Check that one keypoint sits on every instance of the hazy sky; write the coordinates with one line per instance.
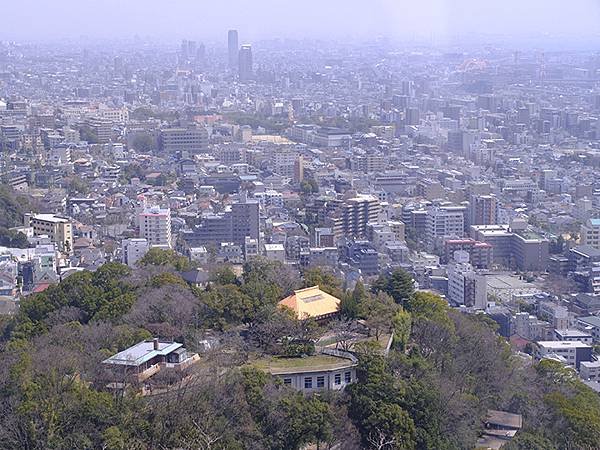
(257, 19)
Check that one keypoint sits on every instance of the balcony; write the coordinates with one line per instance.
(150, 371)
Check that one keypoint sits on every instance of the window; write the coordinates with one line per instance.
(337, 379)
(347, 377)
(308, 383)
(320, 382)
(287, 381)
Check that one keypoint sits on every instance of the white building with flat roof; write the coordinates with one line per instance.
(155, 226)
(573, 352)
(58, 229)
(133, 250)
(590, 370)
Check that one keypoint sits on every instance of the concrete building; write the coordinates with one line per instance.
(245, 70)
(515, 248)
(58, 229)
(193, 140)
(132, 250)
(155, 226)
(590, 233)
(590, 324)
(465, 286)
(530, 327)
(482, 210)
(362, 256)
(324, 237)
(574, 335)
(232, 48)
(331, 137)
(429, 189)
(245, 220)
(589, 370)
(480, 253)
(571, 353)
(238, 222)
(317, 373)
(319, 257)
(557, 315)
(275, 252)
(354, 215)
(444, 222)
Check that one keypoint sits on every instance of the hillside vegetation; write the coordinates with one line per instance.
(444, 371)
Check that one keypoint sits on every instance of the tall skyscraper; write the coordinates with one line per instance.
(232, 45)
(184, 52)
(245, 62)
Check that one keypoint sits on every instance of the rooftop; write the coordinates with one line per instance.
(315, 363)
(49, 218)
(142, 352)
(590, 320)
(529, 235)
(506, 282)
(562, 344)
(572, 333)
(587, 251)
(504, 419)
(311, 302)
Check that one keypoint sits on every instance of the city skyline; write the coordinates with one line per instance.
(440, 20)
(283, 225)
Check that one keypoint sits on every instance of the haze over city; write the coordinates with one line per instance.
(300, 225)
(262, 19)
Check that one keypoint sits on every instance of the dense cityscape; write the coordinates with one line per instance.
(299, 244)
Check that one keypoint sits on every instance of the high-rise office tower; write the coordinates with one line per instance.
(201, 56)
(245, 62)
(232, 45)
(184, 52)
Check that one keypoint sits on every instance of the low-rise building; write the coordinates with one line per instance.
(331, 372)
(571, 353)
(590, 370)
(145, 359)
(591, 325)
(312, 302)
(574, 335)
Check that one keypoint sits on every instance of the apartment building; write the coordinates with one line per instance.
(590, 233)
(155, 226)
(132, 250)
(571, 353)
(444, 222)
(354, 215)
(58, 229)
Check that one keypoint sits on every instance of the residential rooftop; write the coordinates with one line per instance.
(142, 352)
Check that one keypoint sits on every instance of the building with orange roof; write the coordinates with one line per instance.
(312, 302)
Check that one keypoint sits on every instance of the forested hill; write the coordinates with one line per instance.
(432, 391)
(13, 206)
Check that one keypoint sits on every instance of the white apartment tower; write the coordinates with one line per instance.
(465, 285)
(155, 226)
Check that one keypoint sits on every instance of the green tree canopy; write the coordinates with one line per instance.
(399, 285)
